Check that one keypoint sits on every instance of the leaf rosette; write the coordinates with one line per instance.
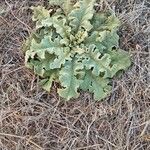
(76, 47)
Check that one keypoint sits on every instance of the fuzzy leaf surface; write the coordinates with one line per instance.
(120, 60)
(97, 85)
(81, 15)
(69, 80)
(46, 45)
(93, 60)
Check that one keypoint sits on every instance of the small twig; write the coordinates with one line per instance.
(4, 20)
(146, 125)
(16, 17)
(87, 147)
(24, 138)
(108, 142)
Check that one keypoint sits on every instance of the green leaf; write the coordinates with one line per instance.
(47, 83)
(41, 65)
(56, 2)
(109, 39)
(80, 36)
(99, 64)
(105, 21)
(61, 27)
(82, 14)
(65, 4)
(39, 14)
(61, 58)
(45, 45)
(69, 81)
(112, 23)
(2, 11)
(120, 60)
(98, 85)
(94, 39)
(47, 22)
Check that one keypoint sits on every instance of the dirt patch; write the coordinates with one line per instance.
(32, 119)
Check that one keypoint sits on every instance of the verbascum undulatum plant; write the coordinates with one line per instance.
(76, 47)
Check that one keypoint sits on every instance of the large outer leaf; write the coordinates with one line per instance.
(103, 40)
(99, 86)
(69, 80)
(45, 45)
(120, 60)
(59, 22)
(105, 25)
(93, 60)
(41, 66)
(66, 4)
(94, 39)
(39, 14)
(109, 39)
(56, 2)
(80, 16)
(47, 83)
(62, 56)
(104, 21)
(47, 22)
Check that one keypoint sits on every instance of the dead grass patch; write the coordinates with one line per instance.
(31, 119)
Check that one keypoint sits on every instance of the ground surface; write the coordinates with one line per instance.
(32, 119)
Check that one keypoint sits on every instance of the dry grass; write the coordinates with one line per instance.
(31, 119)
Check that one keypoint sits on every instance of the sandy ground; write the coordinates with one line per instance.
(32, 119)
